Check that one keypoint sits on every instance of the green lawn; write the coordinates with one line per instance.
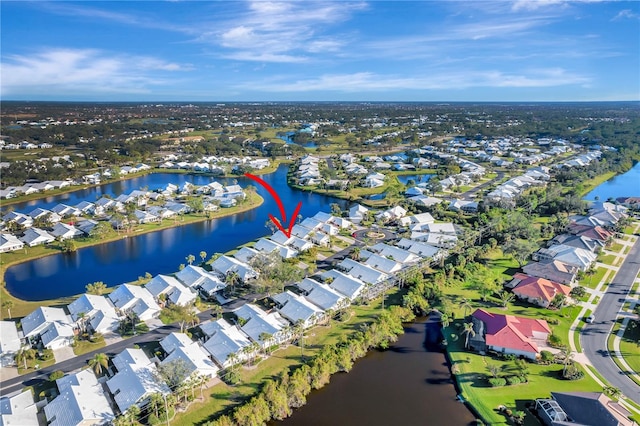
(630, 349)
(471, 376)
(502, 264)
(608, 259)
(593, 280)
(82, 347)
(222, 397)
(615, 247)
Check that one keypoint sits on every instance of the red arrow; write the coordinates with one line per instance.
(275, 195)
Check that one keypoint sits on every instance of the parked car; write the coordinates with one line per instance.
(590, 319)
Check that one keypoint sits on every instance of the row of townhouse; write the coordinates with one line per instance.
(213, 164)
(308, 172)
(33, 188)
(509, 191)
(96, 178)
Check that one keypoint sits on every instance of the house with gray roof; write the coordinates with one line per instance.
(9, 242)
(582, 409)
(322, 295)
(51, 325)
(297, 309)
(98, 312)
(195, 359)
(268, 246)
(257, 323)
(36, 236)
(65, 231)
(383, 264)
(344, 284)
(224, 339)
(363, 272)
(418, 248)
(176, 293)
(225, 265)
(10, 343)
(395, 253)
(19, 409)
(135, 380)
(131, 298)
(82, 401)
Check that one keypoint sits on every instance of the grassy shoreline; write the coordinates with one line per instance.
(23, 307)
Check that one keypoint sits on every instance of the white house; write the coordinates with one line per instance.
(223, 340)
(257, 324)
(357, 213)
(99, 313)
(322, 295)
(130, 298)
(197, 277)
(52, 325)
(395, 253)
(175, 291)
(35, 236)
(296, 308)
(383, 264)
(268, 246)
(19, 410)
(194, 357)
(421, 249)
(81, 401)
(363, 272)
(9, 242)
(343, 283)
(10, 343)
(135, 380)
(64, 231)
(225, 265)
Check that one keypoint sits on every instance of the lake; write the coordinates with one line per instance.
(624, 185)
(408, 384)
(124, 260)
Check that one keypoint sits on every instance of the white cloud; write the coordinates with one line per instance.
(440, 80)
(626, 14)
(80, 70)
(529, 5)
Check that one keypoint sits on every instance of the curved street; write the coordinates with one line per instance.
(593, 338)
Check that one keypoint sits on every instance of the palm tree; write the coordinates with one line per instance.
(216, 311)
(82, 318)
(8, 304)
(445, 320)
(190, 259)
(612, 392)
(232, 279)
(265, 337)
(468, 331)
(567, 358)
(466, 306)
(24, 355)
(203, 255)
(505, 298)
(355, 254)
(99, 363)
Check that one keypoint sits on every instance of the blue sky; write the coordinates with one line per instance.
(481, 50)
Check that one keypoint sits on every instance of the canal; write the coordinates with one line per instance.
(408, 384)
(124, 260)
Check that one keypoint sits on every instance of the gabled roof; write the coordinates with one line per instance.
(553, 270)
(81, 401)
(135, 379)
(511, 332)
(362, 272)
(225, 265)
(19, 410)
(592, 408)
(245, 254)
(418, 248)
(162, 284)
(37, 320)
(90, 304)
(383, 264)
(396, 253)
(127, 296)
(295, 308)
(224, 339)
(268, 246)
(344, 284)
(10, 342)
(320, 294)
(259, 322)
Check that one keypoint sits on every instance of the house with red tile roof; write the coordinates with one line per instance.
(538, 291)
(593, 232)
(508, 334)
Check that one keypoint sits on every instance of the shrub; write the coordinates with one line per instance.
(497, 382)
(509, 357)
(513, 380)
(56, 375)
(552, 321)
(546, 357)
(524, 379)
(572, 373)
(554, 341)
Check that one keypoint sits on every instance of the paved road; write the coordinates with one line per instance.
(594, 336)
(16, 383)
(472, 192)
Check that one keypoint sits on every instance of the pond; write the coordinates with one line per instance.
(404, 179)
(624, 185)
(408, 384)
(157, 252)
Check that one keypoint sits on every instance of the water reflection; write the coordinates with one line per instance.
(158, 252)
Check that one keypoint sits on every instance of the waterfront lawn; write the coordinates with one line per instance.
(221, 397)
(81, 347)
(472, 379)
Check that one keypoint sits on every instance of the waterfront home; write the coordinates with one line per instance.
(578, 257)
(444, 241)
(81, 401)
(508, 334)
(49, 326)
(130, 298)
(582, 408)
(172, 289)
(267, 329)
(42, 213)
(322, 295)
(341, 223)
(161, 212)
(135, 380)
(297, 309)
(344, 284)
(374, 180)
(384, 264)
(64, 231)
(245, 254)
(267, 246)
(145, 217)
(64, 210)
(99, 313)
(36, 236)
(395, 253)
(362, 272)
(196, 277)
(323, 217)
(10, 343)
(421, 249)
(280, 238)
(21, 219)
(195, 359)
(86, 225)
(311, 224)
(553, 270)
(225, 265)
(224, 339)
(538, 291)
(19, 409)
